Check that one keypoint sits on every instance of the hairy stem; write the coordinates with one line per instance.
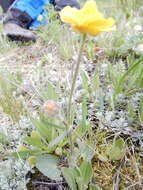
(69, 109)
(75, 78)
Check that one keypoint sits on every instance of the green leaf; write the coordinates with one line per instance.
(47, 164)
(50, 92)
(3, 138)
(34, 142)
(86, 172)
(87, 150)
(101, 102)
(57, 140)
(119, 143)
(26, 153)
(133, 91)
(124, 76)
(70, 176)
(85, 80)
(52, 125)
(42, 128)
(95, 80)
(117, 150)
(94, 187)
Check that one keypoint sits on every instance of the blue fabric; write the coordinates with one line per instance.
(32, 7)
(36, 23)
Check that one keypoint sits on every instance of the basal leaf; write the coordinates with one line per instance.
(41, 127)
(70, 176)
(117, 150)
(57, 140)
(86, 172)
(34, 142)
(26, 153)
(48, 165)
(94, 187)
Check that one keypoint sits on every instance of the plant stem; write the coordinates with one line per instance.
(69, 109)
(74, 78)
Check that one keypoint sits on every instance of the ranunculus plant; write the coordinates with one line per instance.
(50, 134)
(87, 20)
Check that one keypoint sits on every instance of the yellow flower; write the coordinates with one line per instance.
(87, 20)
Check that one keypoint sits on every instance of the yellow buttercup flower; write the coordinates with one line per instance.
(87, 20)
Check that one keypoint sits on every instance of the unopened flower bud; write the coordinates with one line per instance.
(50, 108)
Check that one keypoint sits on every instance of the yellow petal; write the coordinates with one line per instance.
(89, 8)
(69, 15)
(86, 30)
(99, 26)
(90, 12)
(87, 20)
(104, 23)
(75, 16)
